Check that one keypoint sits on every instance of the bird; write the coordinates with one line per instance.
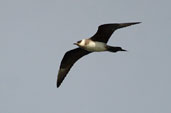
(96, 43)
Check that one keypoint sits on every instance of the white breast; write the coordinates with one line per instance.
(95, 46)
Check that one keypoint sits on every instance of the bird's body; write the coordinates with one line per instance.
(96, 43)
(92, 46)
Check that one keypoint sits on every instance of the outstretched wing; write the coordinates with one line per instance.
(68, 61)
(105, 31)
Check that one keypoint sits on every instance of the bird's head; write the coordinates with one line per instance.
(79, 43)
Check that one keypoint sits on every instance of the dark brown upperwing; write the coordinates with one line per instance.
(68, 61)
(105, 31)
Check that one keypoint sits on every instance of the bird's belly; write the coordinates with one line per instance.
(95, 47)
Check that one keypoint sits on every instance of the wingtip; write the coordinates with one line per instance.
(58, 84)
(132, 23)
(137, 22)
(121, 25)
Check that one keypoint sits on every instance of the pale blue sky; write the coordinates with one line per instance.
(35, 34)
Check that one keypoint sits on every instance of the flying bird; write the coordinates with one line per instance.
(96, 43)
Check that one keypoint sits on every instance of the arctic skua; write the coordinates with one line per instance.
(96, 43)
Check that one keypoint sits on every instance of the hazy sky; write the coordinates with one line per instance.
(35, 34)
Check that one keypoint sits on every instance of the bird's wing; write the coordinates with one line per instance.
(68, 61)
(105, 31)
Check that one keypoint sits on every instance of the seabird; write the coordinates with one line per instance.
(96, 43)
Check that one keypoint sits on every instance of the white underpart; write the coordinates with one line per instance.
(93, 46)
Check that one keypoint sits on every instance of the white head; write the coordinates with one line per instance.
(80, 43)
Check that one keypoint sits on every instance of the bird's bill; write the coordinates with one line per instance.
(75, 43)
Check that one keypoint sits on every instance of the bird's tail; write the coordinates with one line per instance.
(121, 25)
(114, 49)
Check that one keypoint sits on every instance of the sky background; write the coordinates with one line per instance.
(35, 34)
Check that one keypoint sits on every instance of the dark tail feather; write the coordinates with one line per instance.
(114, 49)
(121, 25)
